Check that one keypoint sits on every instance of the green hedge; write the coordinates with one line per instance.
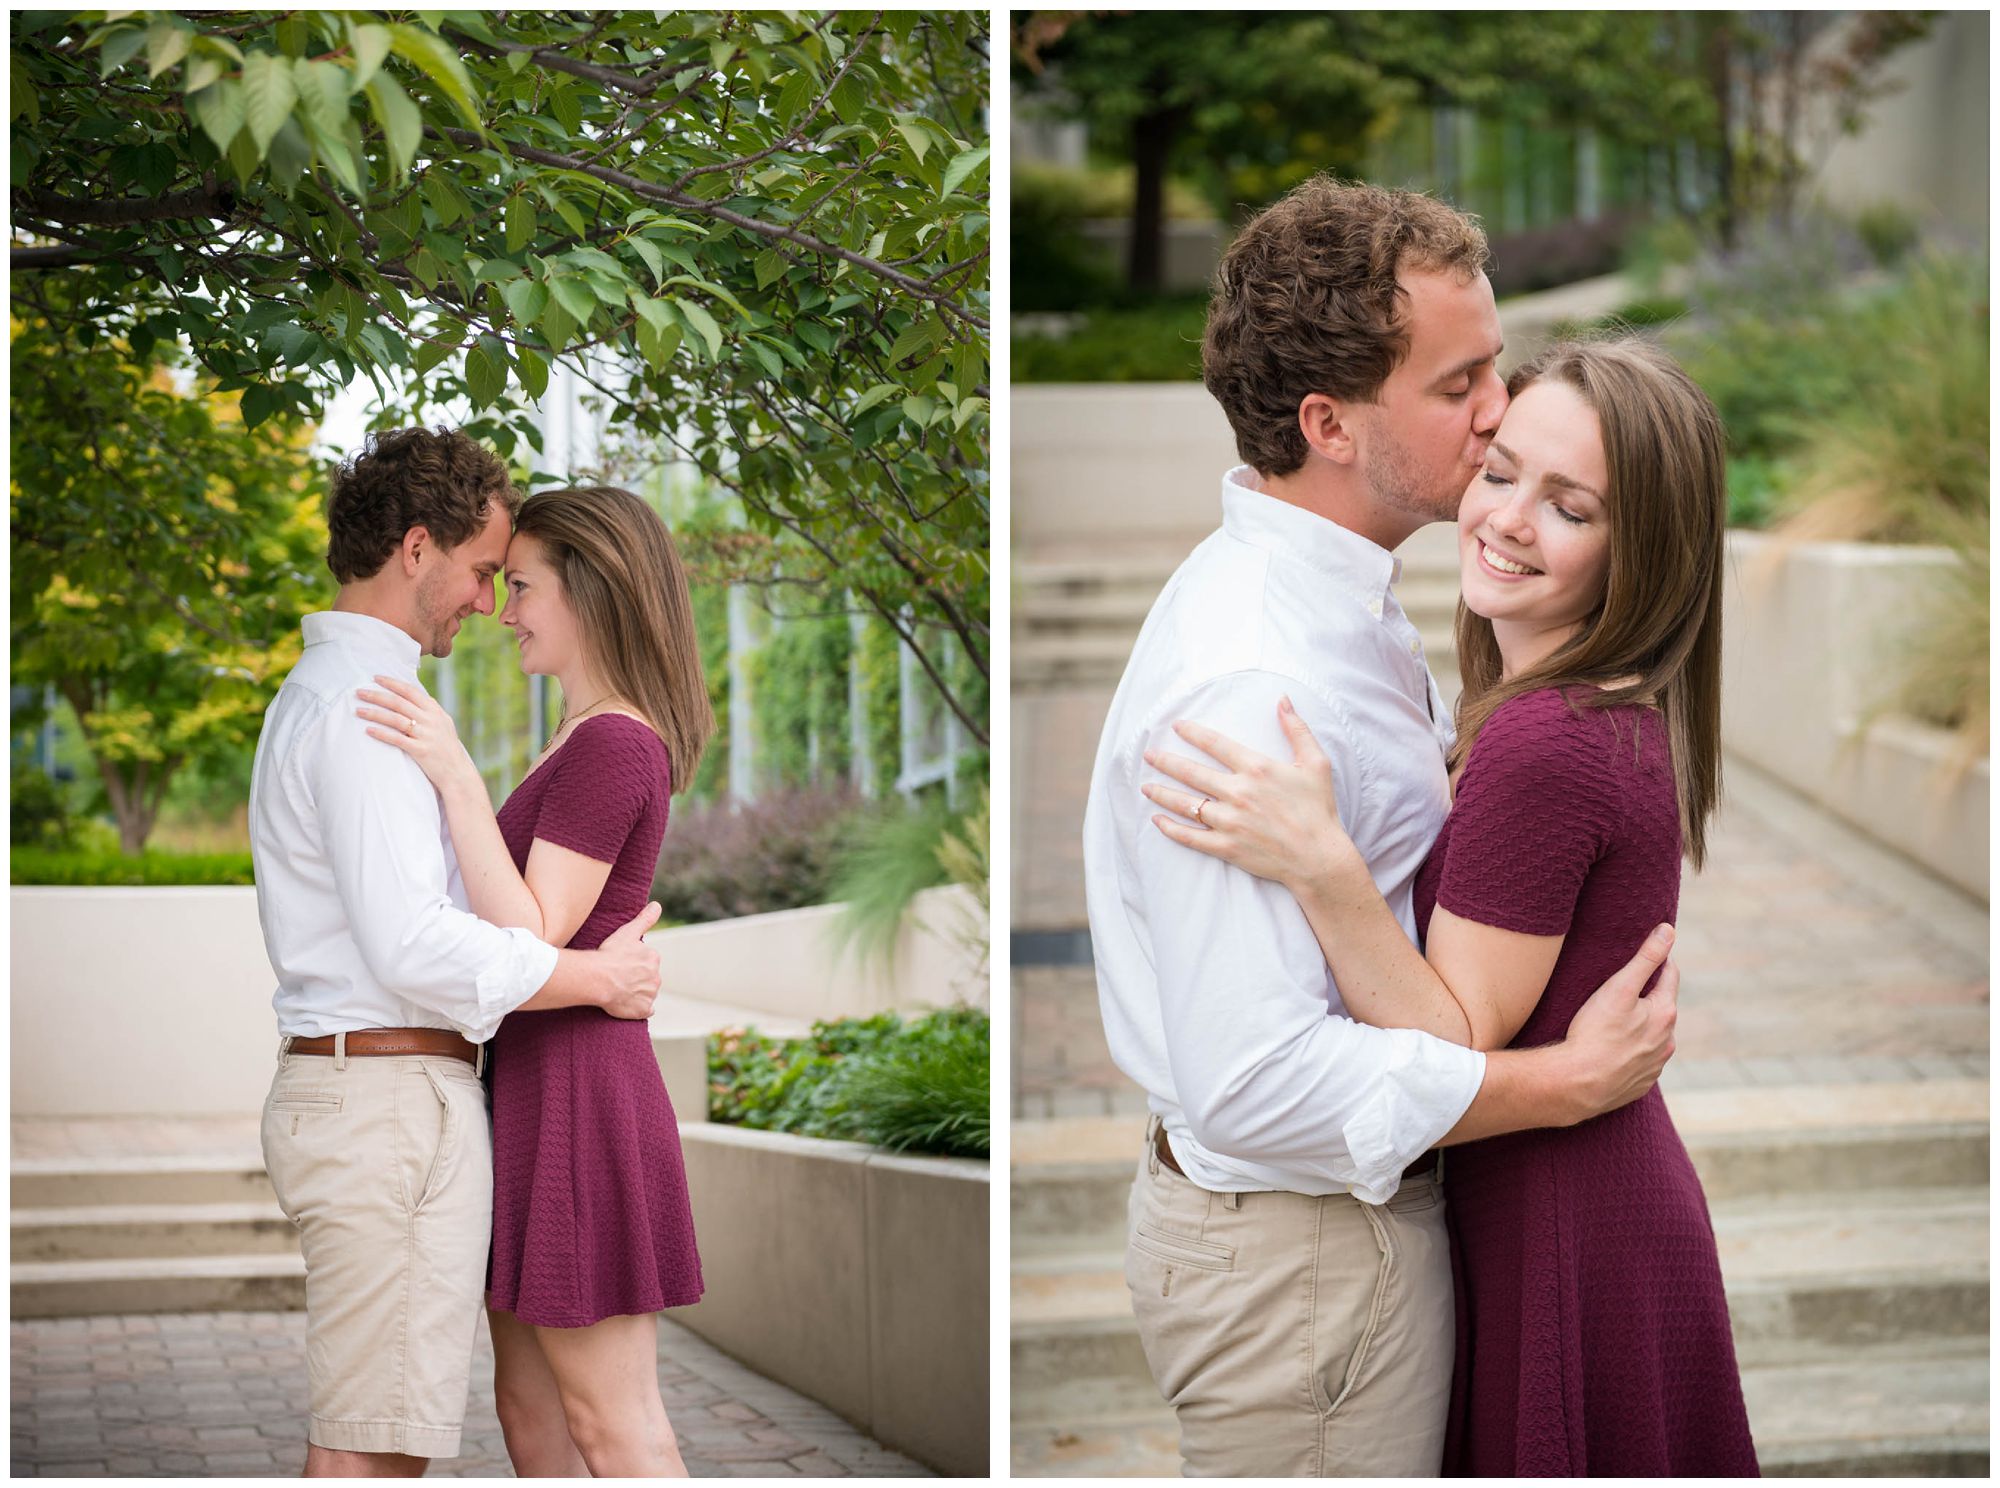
(922, 1086)
(1160, 342)
(32, 865)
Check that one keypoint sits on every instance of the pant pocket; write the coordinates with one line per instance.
(1352, 1316)
(431, 1122)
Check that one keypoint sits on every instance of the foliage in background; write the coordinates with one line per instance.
(115, 869)
(162, 553)
(38, 811)
(777, 852)
(887, 858)
(776, 226)
(1160, 342)
(923, 1086)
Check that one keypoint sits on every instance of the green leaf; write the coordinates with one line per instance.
(430, 353)
(533, 371)
(447, 203)
(440, 63)
(290, 155)
(913, 135)
(650, 253)
(770, 267)
(219, 110)
(201, 71)
(768, 359)
(370, 45)
(918, 409)
(401, 120)
(799, 90)
(520, 219)
(658, 345)
(574, 295)
(564, 105)
(259, 403)
(702, 323)
(167, 41)
(877, 394)
(486, 371)
(268, 96)
(120, 47)
(918, 339)
(558, 325)
(962, 166)
(525, 300)
(965, 412)
(572, 219)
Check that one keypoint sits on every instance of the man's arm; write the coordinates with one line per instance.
(1614, 1051)
(379, 823)
(1260, 1067)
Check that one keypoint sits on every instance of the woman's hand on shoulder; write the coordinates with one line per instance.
(405, 716)
(1275, 819)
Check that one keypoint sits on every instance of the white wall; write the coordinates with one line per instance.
(157, 1001)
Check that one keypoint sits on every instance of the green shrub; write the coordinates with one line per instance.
(922, 1086)
(38, 812)
(87, 869)
(1158, 342)
(1888, 232)
(890, 856)
(721, 861)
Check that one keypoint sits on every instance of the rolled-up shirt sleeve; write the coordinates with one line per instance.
(380, 826)
(1264, 1070)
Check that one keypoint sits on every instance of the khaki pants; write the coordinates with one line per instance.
(386, 1166)
(1295, 1336)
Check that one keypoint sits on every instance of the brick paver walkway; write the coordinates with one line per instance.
(224, 1395)
(1808, 955)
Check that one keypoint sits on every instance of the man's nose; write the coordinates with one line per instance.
(1492, 405)
(484, 604)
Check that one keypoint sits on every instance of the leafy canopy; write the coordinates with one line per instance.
(761, 236)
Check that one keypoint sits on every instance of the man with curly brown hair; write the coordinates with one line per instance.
(1286, 1251)
(375, 1131)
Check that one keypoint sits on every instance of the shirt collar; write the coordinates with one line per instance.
(1263, 521)
(376, 641)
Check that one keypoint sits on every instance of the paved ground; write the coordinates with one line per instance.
(1808, 956)
(224, 1395)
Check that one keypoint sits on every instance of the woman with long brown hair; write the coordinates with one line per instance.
(1593, 1334)
(592, 1233)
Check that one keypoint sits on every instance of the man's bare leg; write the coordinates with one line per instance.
(325, 1462)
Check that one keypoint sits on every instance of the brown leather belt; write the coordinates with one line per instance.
(1421, 1168)
(369, 1042)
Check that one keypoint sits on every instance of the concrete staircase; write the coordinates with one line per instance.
(199, 1229)
(1077, 614)
(1853, 1228)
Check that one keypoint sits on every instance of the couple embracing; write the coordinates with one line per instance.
(1396, 985)
(435, 961)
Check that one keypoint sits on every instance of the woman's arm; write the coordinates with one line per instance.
(561, 885)
(1476, 986)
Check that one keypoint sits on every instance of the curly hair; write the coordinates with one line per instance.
(1306, 301)
(439, 479)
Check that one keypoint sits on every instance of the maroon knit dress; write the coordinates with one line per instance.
(1593, 1335)
(590, 1200)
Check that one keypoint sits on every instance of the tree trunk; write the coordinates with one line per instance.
(1721, 82)
(135, 803)
(1152, 143)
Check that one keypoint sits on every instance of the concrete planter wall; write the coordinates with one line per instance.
(157, 1001)
(854, 1276)
(1813, 639)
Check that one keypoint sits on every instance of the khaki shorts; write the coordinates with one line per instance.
(386, 1166)
(1295, 1336)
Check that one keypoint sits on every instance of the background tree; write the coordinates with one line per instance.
(762, 238)
(162, 555)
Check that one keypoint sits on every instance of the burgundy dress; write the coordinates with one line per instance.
(1593, 1335)
(590, 1200)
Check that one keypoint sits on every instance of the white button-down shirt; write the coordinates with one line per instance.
(358, 888)
(1216, 997)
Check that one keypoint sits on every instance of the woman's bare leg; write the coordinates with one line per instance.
(609, 1378)
(529, 1404)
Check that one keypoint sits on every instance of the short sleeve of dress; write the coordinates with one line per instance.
(599, 786)
(1537, 804)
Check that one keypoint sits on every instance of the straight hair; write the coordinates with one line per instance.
(1660, 622)
(622, 576)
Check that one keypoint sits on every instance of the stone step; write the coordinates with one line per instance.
(120, 1231)
(1070, 1176)
(1872, 1413)
(226, 1178)
(232, 1283)
(1895, 1267)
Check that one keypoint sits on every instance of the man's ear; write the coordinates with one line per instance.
(417, 546)
(1327, 424)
